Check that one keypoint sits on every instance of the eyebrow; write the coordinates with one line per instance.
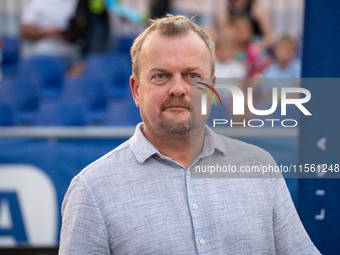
(194, 68)
(163, 70)
(185, 70)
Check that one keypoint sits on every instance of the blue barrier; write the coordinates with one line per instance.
(319, 141)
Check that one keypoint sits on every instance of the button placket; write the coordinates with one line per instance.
(196, 218)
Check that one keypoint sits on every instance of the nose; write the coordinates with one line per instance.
(178, 86)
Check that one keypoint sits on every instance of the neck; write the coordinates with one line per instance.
(283, 64)
(182, 148)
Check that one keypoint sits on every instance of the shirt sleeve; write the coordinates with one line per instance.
(30, 14)
(289, 234)
(83, 230)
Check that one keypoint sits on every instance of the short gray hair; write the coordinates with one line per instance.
(170, 26)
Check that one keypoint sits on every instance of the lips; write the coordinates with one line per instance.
(176, 106)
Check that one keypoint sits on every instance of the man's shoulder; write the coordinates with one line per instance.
(109, 163)
(235, 144)
(245, 160)
(239, 149)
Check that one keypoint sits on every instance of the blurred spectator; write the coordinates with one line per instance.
(159, 8)
(284, 66)
(203, 10)
(127, 17)
(226, 64)
(89, 27)
(252, 54)
(43, 23)
(286, 16)
(252, 10)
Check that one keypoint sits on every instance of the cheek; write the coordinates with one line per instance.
(142, 99)
(196, 97)
(150, 99)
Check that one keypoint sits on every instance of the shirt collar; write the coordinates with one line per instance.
(143, 148)
(140, 146)
(212, 142)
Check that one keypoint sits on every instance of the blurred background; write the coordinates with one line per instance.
(65, 98)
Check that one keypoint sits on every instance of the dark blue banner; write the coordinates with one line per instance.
(34, 177)
(319, 141)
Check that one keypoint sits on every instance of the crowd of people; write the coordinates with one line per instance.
(246, 47)
(241, 30)
(65, 27)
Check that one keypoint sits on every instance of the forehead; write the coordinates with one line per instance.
(174, 51)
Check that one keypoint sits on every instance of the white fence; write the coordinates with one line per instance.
(286, 16)
(10, 11)
(127, 132)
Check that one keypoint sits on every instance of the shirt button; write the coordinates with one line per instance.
(195, 206)
(202, 241)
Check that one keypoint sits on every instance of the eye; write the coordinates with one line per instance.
(192, 78)
(160, 76)
(192, 75)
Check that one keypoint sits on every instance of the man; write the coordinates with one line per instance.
(140, 199)
(43, 23)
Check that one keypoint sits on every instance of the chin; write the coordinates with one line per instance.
(175, 126)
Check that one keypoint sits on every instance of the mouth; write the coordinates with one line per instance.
(176, 107)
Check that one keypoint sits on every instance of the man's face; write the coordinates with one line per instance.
(162, 92)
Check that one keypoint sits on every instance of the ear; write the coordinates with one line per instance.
(213, 78)
(134, 84)
(213, 83)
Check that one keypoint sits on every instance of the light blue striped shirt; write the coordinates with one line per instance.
(136, 201)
